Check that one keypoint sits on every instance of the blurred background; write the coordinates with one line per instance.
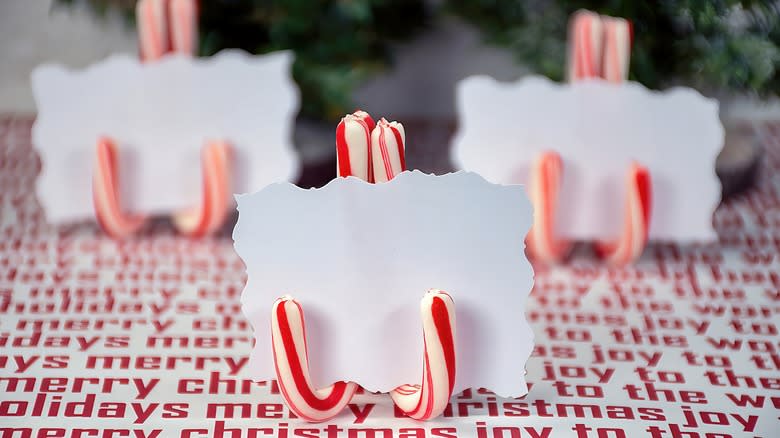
(402, 58)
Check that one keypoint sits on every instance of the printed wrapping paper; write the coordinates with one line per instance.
(146, 338)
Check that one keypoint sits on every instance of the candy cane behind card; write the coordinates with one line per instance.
(388, 150)
(209, 216)
(152, 22)
(617, 49)
(585, 45)
(105, 193)
(166, 26)
(636, 225)
(171, 26)
(543, 189)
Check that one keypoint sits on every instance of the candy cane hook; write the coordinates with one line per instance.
(585, 45)
(209, 216)
(288, 334)
(166, 26)
(617, 49)
(183, 24)
(152, 23)
(105, 193)
(544, 187)
(637, 219)
(429, 399)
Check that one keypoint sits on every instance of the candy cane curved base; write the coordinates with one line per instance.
(430, 398)
(421, 402)
(637, 220)
(209, 216)
(544, 186)
(105, 193)
(288, 334)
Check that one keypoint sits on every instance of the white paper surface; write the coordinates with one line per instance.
(359, 257)
(161, 114)
(598, 128)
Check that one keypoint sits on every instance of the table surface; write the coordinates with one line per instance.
(145, 337)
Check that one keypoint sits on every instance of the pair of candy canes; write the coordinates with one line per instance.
(544, 187)
(599, 46)
(164, 26)
(373, 152)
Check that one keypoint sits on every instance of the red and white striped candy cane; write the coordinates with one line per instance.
(353, 146)
(166, 26)
(209, 216)
(105, 193)
(152, 23)
(388, 150)
(288, 334)
(429, 399)
(585, 45)
(637, 219)
(617, 49)
(183, 25)
(544, 187)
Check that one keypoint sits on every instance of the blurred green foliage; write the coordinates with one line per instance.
(710, 44)
(337, 43)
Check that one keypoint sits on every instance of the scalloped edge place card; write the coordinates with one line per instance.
(598, 128)
(359, 257)
(160, 114)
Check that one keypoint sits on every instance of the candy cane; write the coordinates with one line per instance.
(585, 45)
(183, 16)
(353, 146)
(637, 219)
(152, 22)
(388, 150)
(428, 400)
(105, 193)
(209, 216)
(544, 187)
(617, 49)
(288, 333)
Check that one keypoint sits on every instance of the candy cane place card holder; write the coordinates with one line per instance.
(164, 134)
(370, 252)
(604, 159)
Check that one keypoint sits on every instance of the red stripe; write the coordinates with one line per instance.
(428, 402)
(400, 143)
(367, 128)
(169, 34)
(588, 49)
(385, 154)
(342, 150)
(369, 121)
(105, 152)
(431, 395)
(441, 319)
(297, 372)
(547, 180)
(614, 66)
(205, 216)
(644, 187)
(283, 388)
